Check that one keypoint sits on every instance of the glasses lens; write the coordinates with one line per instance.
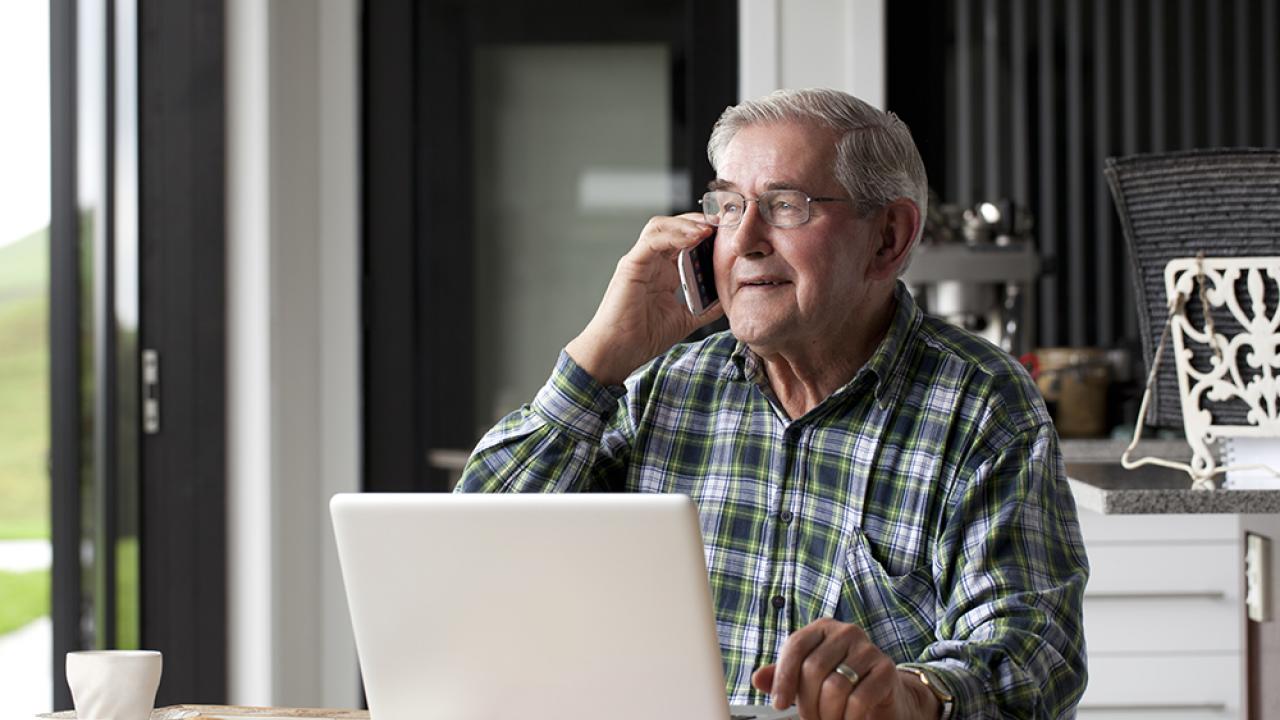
(784, 208)
(723, 208)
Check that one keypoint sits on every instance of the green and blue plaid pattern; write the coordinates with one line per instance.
(924, 501)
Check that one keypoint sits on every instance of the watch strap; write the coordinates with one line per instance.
(936, 686)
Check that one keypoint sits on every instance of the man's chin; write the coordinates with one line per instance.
(762, 337)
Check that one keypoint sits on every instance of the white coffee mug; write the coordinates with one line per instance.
(114, 684)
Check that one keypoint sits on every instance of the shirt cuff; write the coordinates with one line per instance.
(966, 689)
(575, 401)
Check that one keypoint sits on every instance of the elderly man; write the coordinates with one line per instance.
(888, 530)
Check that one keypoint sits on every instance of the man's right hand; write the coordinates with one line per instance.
(643, 312)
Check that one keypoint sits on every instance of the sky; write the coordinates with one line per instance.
(24, 118)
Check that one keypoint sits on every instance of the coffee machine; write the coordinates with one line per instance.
(977, 268)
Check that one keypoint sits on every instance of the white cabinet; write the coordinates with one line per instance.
(1164, 617)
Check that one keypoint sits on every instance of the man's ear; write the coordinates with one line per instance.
(898, 223)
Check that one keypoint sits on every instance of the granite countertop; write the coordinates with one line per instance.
(1100, 484)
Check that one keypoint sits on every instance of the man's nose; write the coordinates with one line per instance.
(751, 236)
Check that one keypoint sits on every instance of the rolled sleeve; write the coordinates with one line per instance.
(570, 438)
(1011, 637)
(576, 402)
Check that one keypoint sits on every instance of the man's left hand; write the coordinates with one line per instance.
(805, 675)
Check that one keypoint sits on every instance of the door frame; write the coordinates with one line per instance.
(179, 202)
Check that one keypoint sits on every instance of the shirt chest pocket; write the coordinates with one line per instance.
(896, 611)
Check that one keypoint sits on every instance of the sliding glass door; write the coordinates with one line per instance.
(94, 310)
(136, 337)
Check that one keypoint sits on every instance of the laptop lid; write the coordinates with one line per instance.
(531, 606)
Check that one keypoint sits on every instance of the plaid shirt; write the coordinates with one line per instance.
(925, 501)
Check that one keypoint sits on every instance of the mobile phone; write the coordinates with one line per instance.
(698, 276)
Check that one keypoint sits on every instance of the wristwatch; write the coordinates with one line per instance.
(930, 680)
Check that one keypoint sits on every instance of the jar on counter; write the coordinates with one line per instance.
(1074, 383)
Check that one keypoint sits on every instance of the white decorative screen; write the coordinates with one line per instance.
(1225, 327)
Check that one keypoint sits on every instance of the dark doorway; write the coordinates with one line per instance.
(512, 153)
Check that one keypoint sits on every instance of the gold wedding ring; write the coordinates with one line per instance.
(849, 674)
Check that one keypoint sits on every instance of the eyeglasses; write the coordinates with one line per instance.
(779, 208)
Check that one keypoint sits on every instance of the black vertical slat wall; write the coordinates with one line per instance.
(1270, 102)
(1073, 214)
(965, 112)
(993, 176)
(1103, 144)
(1155, 77)
(1047, 158)
(1040, 92)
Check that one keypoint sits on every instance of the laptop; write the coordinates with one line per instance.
(538, 607)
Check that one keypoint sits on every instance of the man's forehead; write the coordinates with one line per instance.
(777, 156)
(725, 184)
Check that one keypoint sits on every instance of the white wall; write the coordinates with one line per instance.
(293, 340)
(248, 357)
(812, 43)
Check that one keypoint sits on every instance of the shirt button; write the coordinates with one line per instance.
(786, 516)
(778, 602)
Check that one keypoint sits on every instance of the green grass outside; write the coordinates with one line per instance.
(23, 598)
(127, 594)
(24, 442)
(24, 389)
(25, 530)
(24, 266)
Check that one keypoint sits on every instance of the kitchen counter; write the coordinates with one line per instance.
(1101, 485)
(1076, 450)
(1109, 489)
(1163, 556)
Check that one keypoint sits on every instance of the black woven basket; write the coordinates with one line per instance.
(1223, 202)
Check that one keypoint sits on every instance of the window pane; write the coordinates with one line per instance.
(26, 637)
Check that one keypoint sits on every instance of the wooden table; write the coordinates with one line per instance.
(235, 712)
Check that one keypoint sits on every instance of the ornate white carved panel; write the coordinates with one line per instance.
(1225, 350)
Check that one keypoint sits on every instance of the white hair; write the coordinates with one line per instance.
(876, 162)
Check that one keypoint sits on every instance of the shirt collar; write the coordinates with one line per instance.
(883, 365)
(887, 359)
